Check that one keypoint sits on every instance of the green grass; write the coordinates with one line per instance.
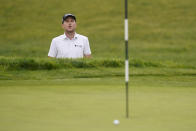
(9, 64)
(159, 30)
(93, 104)
(62, 74)
(38, 93)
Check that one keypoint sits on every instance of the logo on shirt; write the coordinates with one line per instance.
(76, 45)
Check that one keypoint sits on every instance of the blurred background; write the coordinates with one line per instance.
(162, 30)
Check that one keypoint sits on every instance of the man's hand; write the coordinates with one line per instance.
(87, 56)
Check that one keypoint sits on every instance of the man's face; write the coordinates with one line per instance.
(69, 25)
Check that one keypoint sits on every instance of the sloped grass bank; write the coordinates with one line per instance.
(40, 69)
(10, 64)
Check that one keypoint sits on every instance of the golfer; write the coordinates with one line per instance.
(70, 44)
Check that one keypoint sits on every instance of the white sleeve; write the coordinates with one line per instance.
(87, 50)
(53, 51)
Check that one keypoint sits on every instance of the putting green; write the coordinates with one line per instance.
(93, 104)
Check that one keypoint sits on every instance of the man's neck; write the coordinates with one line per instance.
(70, 35)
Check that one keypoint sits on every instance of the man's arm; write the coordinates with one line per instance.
(50, 57)
(87, 50)
(52, 51)
(87, 56)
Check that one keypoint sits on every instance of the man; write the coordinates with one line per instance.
(70, 44)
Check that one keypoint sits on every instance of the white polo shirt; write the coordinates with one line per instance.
(63, 47)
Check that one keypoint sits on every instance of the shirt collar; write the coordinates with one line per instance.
(75, 36)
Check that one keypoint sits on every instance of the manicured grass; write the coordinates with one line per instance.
(156, 103)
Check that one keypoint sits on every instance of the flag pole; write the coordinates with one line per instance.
(126, 60)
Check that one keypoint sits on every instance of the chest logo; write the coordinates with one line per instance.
(78, 45)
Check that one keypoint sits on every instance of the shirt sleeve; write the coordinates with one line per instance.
(52, 51)
(87, 50)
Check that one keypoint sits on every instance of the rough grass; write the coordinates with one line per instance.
(50, 64)
(161, 34)
(159, 30)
